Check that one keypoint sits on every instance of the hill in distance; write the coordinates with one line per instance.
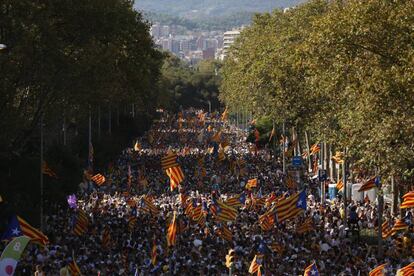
(192, 9)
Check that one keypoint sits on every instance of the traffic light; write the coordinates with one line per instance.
(229, 258)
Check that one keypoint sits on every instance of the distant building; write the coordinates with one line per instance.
(228, 40)
(165, 31)
(201, 43)
(185, 46)
(175, 46)
(156, 31)
(209, 53)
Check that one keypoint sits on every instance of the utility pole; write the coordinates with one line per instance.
(41, 173)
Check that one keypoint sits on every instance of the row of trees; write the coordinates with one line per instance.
(183, 86)
(341, 71)
(65, 60)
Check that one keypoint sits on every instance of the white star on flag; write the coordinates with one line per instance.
(16, 232)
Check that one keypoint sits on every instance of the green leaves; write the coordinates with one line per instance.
(343, 70)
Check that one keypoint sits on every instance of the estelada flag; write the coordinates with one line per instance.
(169, 161)
(406, 270)
(81, 223)
(378, 271)
(74, 269)
(256, 263)
(223, 212)
(386, 229)
(315, 148)
(311, 270)
(306, 226)
(224, 233)
(338, 157)
(172, 232)
(154, 253)
(176, 176)
(408, 200)
(106, 238)
(369, 184)
(19, 227)
(252, 183)
(340, 185)
(99, 179)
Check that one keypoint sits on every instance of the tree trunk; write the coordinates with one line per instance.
(380, 213)
(99, 122)
(331, 164)
(110, 121)
(308, 150)
(395, 196)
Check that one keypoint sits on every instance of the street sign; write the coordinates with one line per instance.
(322, 175)
(297, 161)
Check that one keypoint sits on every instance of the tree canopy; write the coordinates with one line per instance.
(342, 70)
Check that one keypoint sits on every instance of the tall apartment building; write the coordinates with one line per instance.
(228, 40)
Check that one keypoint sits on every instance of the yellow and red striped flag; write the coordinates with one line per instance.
(225, 114)
(386, 229)
(408, 200)
(99, 179)
(406, 270)
(266, 222)
(291, 183)
(137, 146)
(311, 270)
(172, 231)
(169, 161)
(256, 263)
(47, 170)
(340, 185)
(81, 223)
(315, 148)
(106, 238)
(306, 226)
(368, 185)
(277, 248)
(132, 221)
(399, 225)
(35, 235)
(291, 206)
(225, 233)
(378, 271)
(223, 212)
(176, 176)
(74, 269)
(252, 183)
(237, 201)
(272, 134)
(338, 157)
(154, 253)
(148, 206)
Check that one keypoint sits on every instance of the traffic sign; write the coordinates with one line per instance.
(322, 175)
(297, 161)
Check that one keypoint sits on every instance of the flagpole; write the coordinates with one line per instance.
(41, 172)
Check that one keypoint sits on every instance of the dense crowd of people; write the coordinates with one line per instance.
(115, 208)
